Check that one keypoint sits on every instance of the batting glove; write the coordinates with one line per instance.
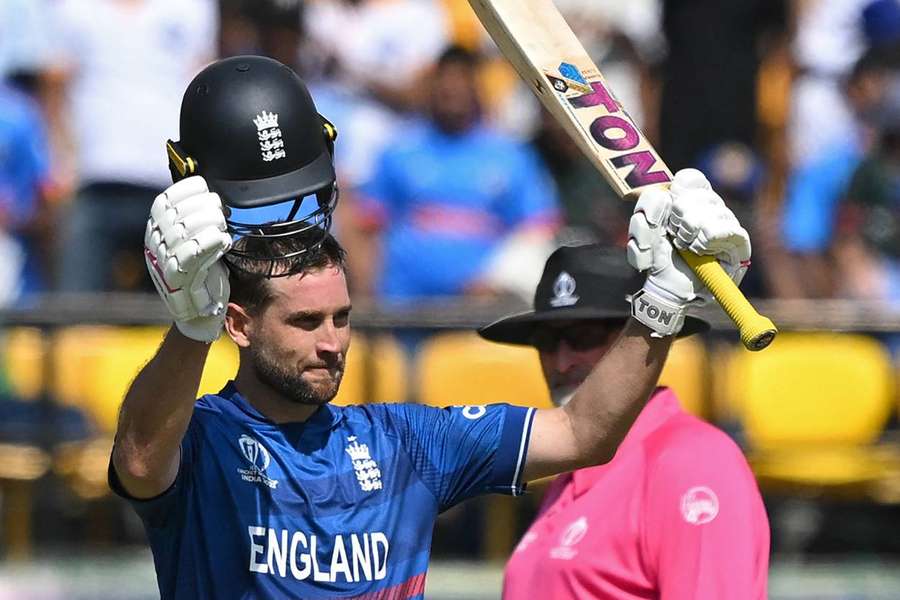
(185, 239)
(689, 216)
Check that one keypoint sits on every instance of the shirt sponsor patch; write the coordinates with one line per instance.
(473, 412)
(573, 534)
(258, 457)
(699, 505)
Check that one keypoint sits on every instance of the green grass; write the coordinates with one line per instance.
(129, 575)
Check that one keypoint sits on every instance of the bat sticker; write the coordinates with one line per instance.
(558, 84)
(570, 71)
(574, 77)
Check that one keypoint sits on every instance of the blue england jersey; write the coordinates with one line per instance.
(340, 506)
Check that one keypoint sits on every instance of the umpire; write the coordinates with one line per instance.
(676, 514)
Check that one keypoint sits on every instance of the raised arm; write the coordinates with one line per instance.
(184, 241)
(588, 430)
(155, 416)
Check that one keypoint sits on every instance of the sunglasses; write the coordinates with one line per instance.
(580, 337)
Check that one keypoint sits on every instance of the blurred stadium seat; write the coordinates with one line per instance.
(685, 372)
(376, 371)
(22, 361)
(94, 365)
(462, 368)
(465, 29)
(812, 407)
(112, 358)
(20, 467)
(92, 369)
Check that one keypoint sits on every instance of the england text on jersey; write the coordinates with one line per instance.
(352, 557)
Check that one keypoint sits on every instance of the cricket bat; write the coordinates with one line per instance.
(535, 38)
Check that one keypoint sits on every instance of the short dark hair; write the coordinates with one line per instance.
(458, 55)
(249, 273)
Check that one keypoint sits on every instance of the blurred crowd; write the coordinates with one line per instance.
(454, 181)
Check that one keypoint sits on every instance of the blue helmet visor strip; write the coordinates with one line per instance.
(278, 222)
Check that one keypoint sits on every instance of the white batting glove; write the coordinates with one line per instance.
(185, 238)
(690, 216)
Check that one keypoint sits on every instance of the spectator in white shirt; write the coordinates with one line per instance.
(121, 64)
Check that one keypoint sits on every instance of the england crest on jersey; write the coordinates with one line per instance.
(367, 472)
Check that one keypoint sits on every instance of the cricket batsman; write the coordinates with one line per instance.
(265, 490)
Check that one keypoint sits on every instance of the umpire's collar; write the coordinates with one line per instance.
(662, 406)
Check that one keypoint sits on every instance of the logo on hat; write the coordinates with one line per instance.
(271, 144)
(563, 291)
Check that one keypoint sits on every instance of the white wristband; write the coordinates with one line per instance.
(663, 316)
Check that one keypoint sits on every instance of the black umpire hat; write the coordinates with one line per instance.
(588, 282)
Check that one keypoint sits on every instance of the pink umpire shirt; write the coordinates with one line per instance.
(676, 515)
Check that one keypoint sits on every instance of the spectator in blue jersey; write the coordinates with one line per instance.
(445, 195)
(24, 179)
(816, 192)
(267, 491)
(866, 245)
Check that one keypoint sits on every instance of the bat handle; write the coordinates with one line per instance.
(757, 331)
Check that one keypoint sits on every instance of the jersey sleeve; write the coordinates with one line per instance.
(706, 530)
(162, 511)
(462, 451)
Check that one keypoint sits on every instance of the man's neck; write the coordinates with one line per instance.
(454, 131)
(268, 402)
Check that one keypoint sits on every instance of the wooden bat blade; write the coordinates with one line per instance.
(535, 38)
(538, 42)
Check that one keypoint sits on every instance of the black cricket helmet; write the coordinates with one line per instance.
(250, 128)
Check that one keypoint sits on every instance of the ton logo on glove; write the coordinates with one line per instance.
(654, 313)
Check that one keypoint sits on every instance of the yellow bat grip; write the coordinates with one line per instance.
(757, 331)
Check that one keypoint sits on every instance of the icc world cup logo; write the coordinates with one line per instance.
(254, 452)
(563, 291)
(699, 505)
